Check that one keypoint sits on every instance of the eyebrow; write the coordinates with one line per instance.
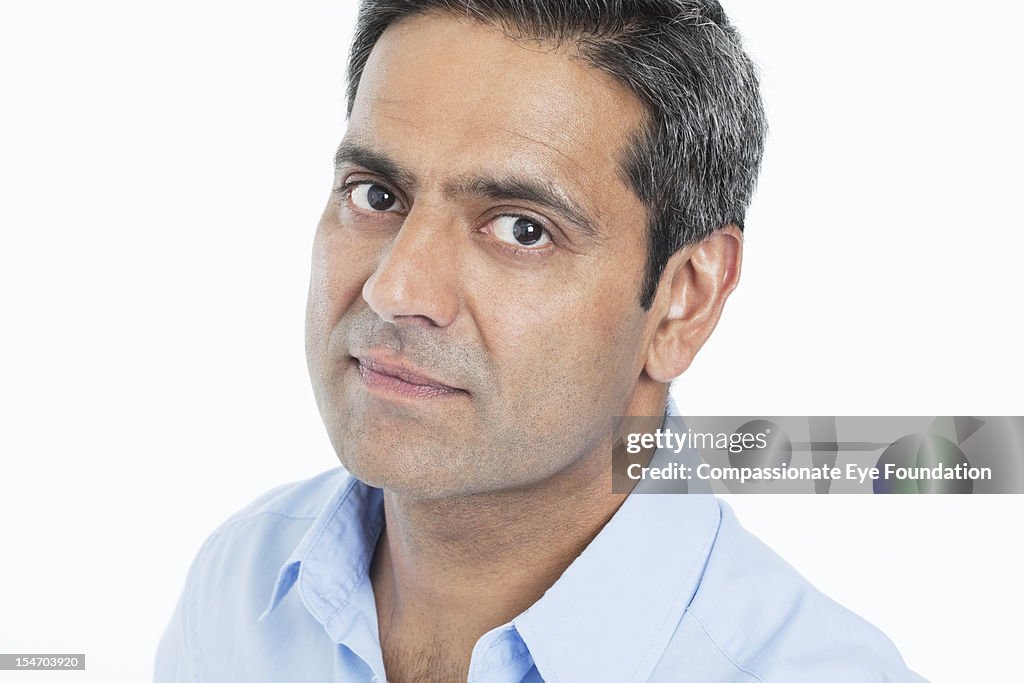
(509, 187)
(356, 154)
(528, 190)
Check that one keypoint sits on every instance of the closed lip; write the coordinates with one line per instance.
(403, 371)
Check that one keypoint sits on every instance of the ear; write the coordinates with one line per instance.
(691, 294)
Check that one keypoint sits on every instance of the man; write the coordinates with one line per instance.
(535, 223)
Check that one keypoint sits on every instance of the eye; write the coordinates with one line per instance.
(520, 231)
(372, 197)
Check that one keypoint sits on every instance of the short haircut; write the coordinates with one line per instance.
(694, 163)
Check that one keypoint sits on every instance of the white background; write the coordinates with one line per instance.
(163, 167)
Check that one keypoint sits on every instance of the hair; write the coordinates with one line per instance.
(694, 163)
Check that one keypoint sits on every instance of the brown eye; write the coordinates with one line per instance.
(520, 231)
(373, 197)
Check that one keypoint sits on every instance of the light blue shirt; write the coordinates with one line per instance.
(672, 589)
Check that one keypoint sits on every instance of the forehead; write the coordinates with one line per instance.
(452, 96)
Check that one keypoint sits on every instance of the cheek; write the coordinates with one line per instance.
(338, 271)
(570, 345)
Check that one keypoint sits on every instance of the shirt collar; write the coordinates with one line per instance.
(609, 616)
(334, 555)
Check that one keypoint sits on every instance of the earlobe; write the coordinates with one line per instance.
(691, 295)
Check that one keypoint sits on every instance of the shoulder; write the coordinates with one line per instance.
(231, 577)
(760, 613)
(299, 499)
(262, 534)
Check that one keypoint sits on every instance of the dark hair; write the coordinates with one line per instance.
(695, 162)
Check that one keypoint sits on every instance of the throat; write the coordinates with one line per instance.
(445, 572)
(423, 658)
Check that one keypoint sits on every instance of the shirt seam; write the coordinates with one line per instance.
(489, 672)
(725, 654)
(256, 515)
(510, 634)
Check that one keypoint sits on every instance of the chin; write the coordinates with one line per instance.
(413, 470)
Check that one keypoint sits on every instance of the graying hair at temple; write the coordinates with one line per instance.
(695, 163)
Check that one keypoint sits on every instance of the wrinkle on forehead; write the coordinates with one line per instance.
(550, 145)
(389, 108)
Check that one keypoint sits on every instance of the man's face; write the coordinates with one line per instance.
(474, 321)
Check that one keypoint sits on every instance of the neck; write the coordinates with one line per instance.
(463, 566)
(478, 561)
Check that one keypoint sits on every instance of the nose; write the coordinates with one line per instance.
(416, 278)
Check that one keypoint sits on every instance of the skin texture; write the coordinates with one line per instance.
(494, 486)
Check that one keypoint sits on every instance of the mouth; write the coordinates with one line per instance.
(402, 380)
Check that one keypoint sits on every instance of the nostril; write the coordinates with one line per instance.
(414, 320)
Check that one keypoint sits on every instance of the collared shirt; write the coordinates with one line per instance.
(672, 589)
